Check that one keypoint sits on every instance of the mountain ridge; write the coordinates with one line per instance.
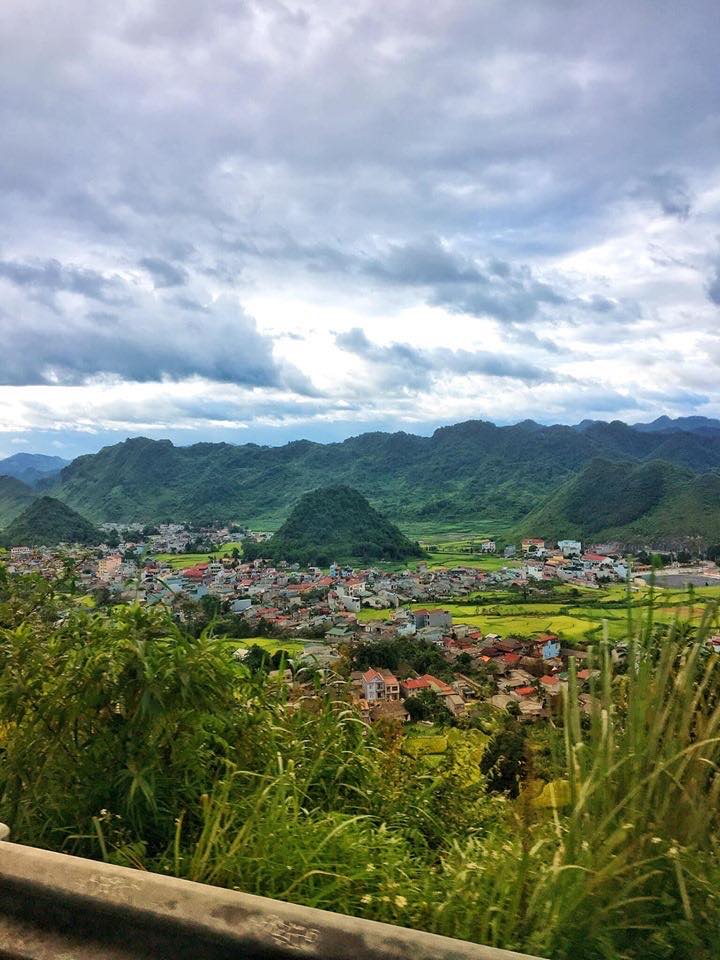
(473, 468)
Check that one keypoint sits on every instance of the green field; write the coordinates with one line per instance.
(179, 561)
(576, 619)
(449, 559)
(270, 644)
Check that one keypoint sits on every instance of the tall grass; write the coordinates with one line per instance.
(624, 865)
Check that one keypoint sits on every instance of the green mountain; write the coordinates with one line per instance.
(608, 500)
(47, 522)
(335, 523)
(472, 472)
(14, 497)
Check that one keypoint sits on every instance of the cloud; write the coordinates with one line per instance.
(713, 288)
(145, 343)
(672, 194)
(164, 274)
(50, 277)
(437, 175)
(418, 368)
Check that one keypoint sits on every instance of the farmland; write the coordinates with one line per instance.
(574, 619)
(269, 644)
(179, 561)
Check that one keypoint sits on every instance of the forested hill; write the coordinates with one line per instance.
(651, 501)
(335, 523)
(47, 522)
(14, 497)
(470, 470)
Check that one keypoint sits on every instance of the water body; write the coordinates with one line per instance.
(684, 580)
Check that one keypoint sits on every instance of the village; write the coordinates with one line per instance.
(328, 614)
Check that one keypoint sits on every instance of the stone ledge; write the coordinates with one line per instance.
(58, 907)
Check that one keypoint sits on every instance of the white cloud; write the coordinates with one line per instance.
(214, 194)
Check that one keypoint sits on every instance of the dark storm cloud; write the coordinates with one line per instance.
(419, 367)
(164, 274)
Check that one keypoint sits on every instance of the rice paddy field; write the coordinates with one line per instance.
(577, 619)
(179, 561)
(269, 644)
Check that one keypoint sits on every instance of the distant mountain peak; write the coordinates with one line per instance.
(692, 424)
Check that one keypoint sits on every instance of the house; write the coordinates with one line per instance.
(432, 618)
(389, 710)
(570, 548)
(379, 685)
(108, 566)
(547, 646)
(532, 545)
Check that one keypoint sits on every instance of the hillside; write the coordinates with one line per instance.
(14, 497)
(47, 522)
(335, 523)
(473, 471)
(609, 499)
(31, 468)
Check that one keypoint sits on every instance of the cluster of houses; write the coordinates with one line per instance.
(524, 675)
(321, 608)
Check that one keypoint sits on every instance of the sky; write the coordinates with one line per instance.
(261, 221)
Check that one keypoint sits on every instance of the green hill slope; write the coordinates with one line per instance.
(14, 497)
(469, 471)
(335, 523)
(609, 499)
(47, 522)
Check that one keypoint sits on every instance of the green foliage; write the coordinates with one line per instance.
(428, 705)
(123, 736)
(472, 469)
(14, 498)
(504, 760)
(334, 523)
(47, 522)
(609, 499)
(403, 656)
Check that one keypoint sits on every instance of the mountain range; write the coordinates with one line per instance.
(31, 468)
(473, 476)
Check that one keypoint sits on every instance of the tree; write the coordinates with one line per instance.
(504, 760)
(428, 705)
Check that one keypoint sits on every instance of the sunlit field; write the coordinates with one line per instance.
(574, 619)
(179, 561)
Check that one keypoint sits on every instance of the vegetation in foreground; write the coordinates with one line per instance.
(127, 738)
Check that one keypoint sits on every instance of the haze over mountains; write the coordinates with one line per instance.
(555, 479)
(31, 468)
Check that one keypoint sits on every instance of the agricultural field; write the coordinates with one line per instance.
(451, 558)
(429, 744)
(577, 619)
(270, 644)
(179, 561)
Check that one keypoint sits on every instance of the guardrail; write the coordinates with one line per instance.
(58, 907)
